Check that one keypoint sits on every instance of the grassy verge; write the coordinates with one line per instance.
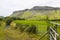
(2, 34)
(16, 35)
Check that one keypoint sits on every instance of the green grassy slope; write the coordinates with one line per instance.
(37, 15)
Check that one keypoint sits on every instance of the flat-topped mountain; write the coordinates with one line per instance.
(45, 8)
(38, 12)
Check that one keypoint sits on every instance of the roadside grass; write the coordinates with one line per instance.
(11, 34)
(17, 35)
(2, 34)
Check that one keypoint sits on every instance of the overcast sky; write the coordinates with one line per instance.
(8, 6)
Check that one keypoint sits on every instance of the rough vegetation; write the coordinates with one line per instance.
(29, 24)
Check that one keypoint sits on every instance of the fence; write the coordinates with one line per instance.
(52, 31)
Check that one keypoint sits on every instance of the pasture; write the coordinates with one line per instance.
(12, 34)
(40, 25)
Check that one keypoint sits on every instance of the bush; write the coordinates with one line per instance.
(32, 29)
(10, 19)
(23, 27)
(26, 28)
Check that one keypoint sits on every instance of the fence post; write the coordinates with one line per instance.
(48, 26)
(51, 36)
(55, 37)
(48, 23)
(55, 28)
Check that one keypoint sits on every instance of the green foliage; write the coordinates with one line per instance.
(1, 18)
(26, 28)
(10, 19)
(23, 27)
(32, 29)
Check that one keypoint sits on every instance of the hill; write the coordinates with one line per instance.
(38, 12)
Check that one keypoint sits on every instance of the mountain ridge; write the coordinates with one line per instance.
(36, 11)
(41, 8)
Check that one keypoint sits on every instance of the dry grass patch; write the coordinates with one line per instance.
(16, 35)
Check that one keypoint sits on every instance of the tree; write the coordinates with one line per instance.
(10, 19)
(32, 29)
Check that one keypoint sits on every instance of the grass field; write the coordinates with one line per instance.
(41, 25)
(2, 35)
(10, 34)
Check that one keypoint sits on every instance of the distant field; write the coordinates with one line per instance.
(41, 25)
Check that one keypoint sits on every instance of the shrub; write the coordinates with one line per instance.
(32, 29)
(23, 27)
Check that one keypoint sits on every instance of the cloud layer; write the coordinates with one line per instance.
(8, 6)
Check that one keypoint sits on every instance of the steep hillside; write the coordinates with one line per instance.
(38, 12)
